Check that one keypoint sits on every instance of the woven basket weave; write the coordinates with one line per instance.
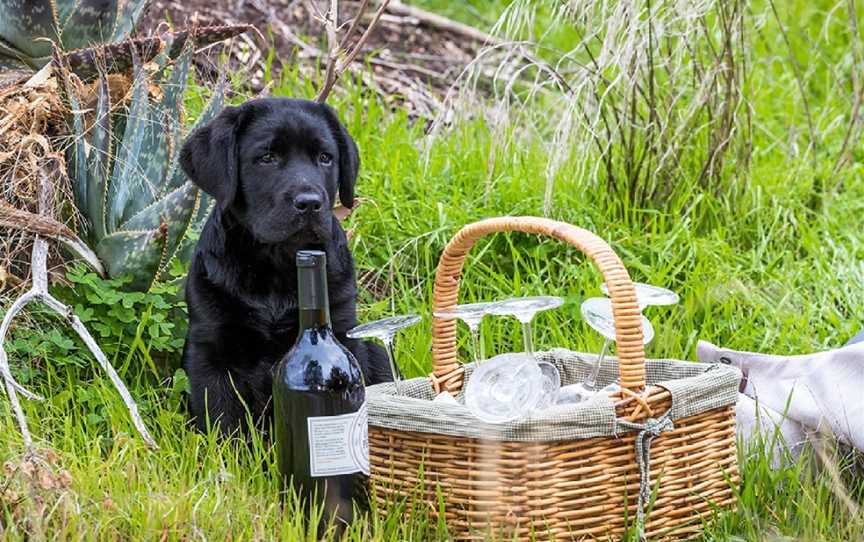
(656, 459)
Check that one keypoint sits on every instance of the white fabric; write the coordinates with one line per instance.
(820, 391)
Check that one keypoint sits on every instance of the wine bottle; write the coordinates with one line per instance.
(319, 407)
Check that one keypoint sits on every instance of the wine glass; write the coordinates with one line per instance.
(385, 330)
(524, 309)
(505, 388)
(551, 384)
(597, 311)
(472, 314)
(648, 294)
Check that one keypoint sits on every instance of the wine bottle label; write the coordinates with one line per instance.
(339, 444)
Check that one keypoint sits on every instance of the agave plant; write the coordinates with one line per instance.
(30, 28)
(140, 210)
(87, 32)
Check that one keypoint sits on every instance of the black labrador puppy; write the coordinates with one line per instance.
(274, 167)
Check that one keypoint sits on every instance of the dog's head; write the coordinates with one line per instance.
(276, 165)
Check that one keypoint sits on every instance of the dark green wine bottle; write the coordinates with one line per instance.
(319, 406)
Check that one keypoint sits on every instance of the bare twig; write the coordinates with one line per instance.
(362, 41)
(354, 23)
(334, 66)
(12, 386)
(333, 48)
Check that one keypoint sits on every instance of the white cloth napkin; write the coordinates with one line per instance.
(818, 392)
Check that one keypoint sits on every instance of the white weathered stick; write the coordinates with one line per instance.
(27, 393)
(8, 380)
(39, 292)
(82, 332)
(4, 329)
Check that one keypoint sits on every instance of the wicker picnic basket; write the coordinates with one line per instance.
(656, 460)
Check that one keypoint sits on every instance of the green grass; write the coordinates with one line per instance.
(777, 268)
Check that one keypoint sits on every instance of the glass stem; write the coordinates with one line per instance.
(527, 339)
(476, 344)
(397, 376)
(591, 381)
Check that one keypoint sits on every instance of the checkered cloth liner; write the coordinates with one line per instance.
(695, 388)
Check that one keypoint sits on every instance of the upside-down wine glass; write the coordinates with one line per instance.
(505, 388)
(524, 309)
(648, 295)
(598, 313)
(472, 314)
(385, 330)
(510, 386)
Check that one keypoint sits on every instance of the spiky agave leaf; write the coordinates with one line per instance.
(139, 203)
(90, 63)
(92, 158)
(85, 63)
(22, 23)
(168, 112)
(86, 22)
(155, 198)
(99, 161)
(30, 28)
(204, 205)
(132, 253)
(96, 34)
(127, 187)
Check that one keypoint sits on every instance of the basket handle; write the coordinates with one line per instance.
(447, 372)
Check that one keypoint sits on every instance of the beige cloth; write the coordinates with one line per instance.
(817, 392)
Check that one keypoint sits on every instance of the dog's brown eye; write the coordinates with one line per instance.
(325, 159)
(267, 158)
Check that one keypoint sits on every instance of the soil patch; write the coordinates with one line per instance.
(413, 59)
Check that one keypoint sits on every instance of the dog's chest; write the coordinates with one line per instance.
(267, 294)
(277, 313)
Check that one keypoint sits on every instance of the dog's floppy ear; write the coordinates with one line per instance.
(349, 157)
(209, 156)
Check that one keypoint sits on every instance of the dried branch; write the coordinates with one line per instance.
(333, 47)
(438, 21)
(11, 217)
(335, 68)
(359, 45)
(39, 292)
(354, 24)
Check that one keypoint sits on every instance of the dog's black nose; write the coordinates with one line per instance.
(308, 202)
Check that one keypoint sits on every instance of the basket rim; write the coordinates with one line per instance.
(697, 389)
